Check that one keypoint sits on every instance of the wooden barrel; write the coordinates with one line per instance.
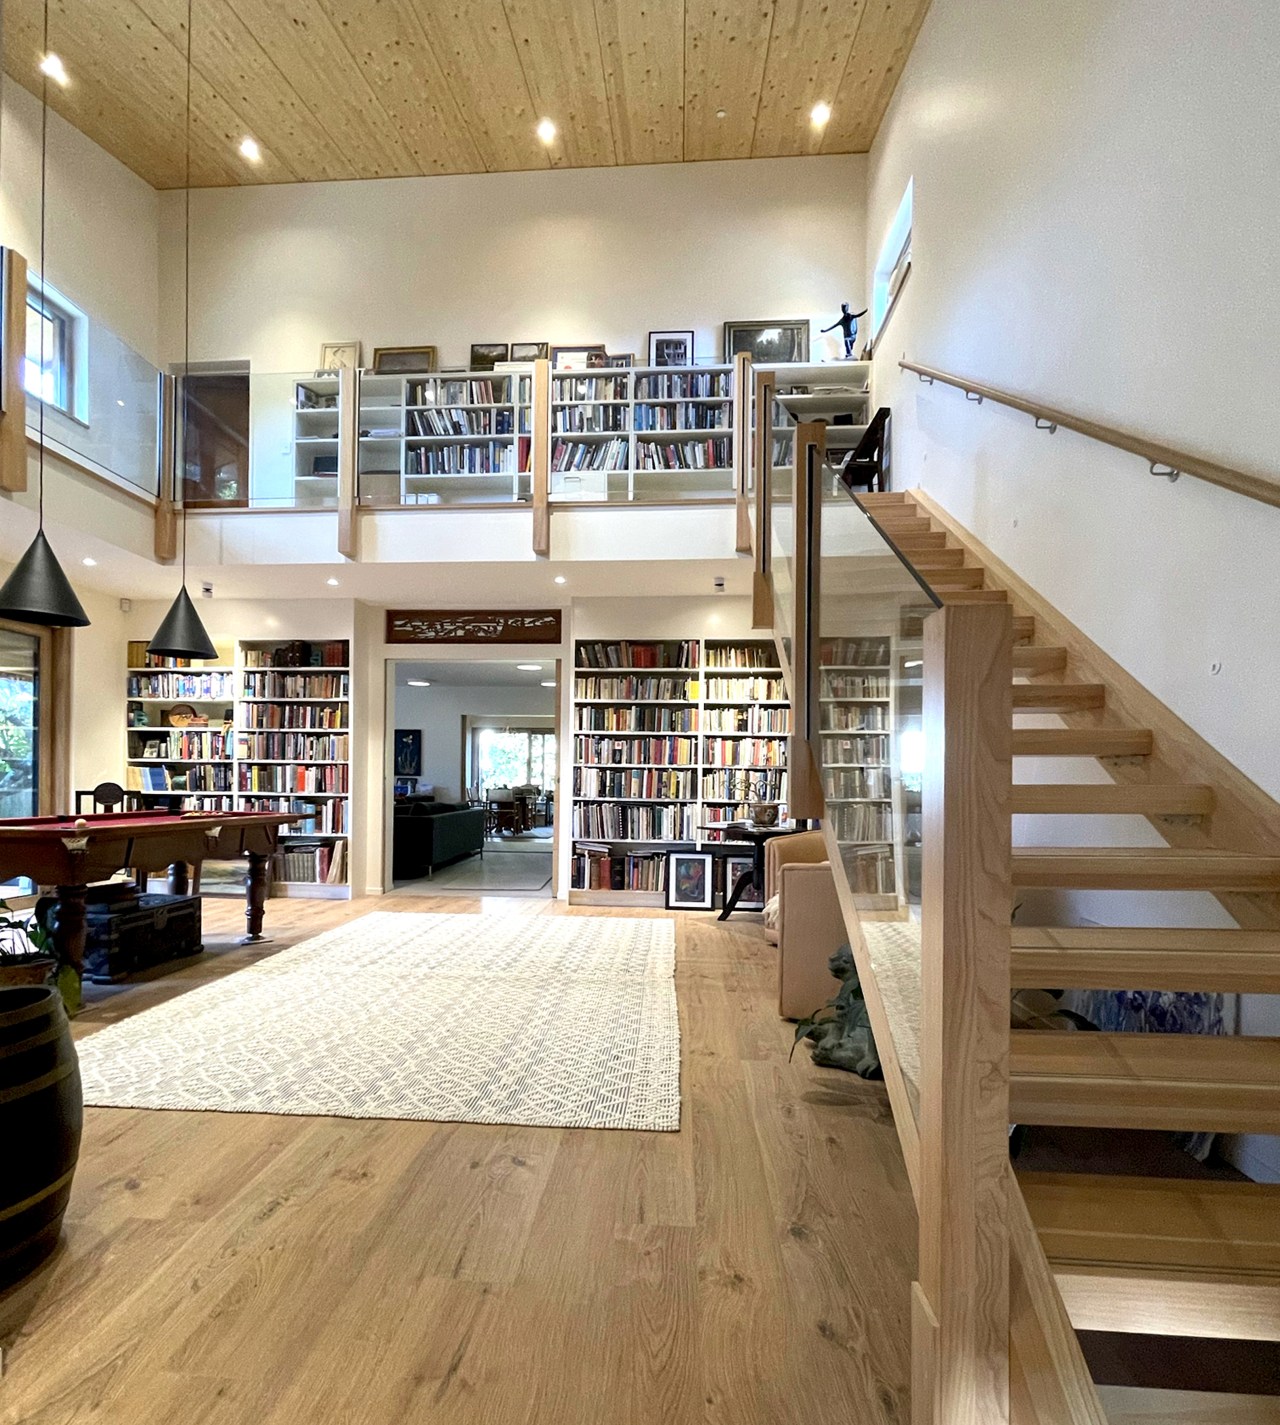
(41, 1112)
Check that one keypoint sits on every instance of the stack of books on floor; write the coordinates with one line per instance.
(312, 863)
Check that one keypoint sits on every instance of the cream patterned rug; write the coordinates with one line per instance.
(558, 1021)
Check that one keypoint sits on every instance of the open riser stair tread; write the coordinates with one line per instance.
(1034, 659)
(1226, 961)
(1112, 799)
(1082, 742)
(1058, 697)
(1132, 1405)
(1136, 868)
(1179, 1082)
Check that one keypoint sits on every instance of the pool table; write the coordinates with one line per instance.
(70, 853)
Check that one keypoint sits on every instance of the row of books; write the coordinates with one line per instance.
(855, 751)
(493, 457)
(854, 685)
(321, 863)
(255, 777)
(300, 653)
(180, 687)
(783, 451)
(679, 689)
(590, 455)
(665, 751)
(855, 717)
(856, 782)
(854, 652)
(714, 454)
(163, 777)
(753, 719)
(597, 419)
(624, 653)
(457, 420)
(596, 869)
(633, 821)
(180, 745)
(324, 716)
(319, 687)
(870, 871)
(745, 656)
(681, 385)
(681, 415)
(640, 782)
(744, 752)
(138, 657)
(327, 817)
(589, 388)
(763, 784)
(473, 391)
(637, 719)
(861, 821)
(746, 689)
(294, 746)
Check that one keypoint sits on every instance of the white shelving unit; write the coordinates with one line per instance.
(829, 391)
(637, 425)
(729, 725)
(315, 439)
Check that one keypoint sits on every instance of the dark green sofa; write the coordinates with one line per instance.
(430, 834)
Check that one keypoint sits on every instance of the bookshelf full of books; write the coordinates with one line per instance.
(642, 433)
(446, 438)
(671, 737)
(859, 727)
(265, 728)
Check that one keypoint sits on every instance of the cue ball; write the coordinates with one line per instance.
(81, 823)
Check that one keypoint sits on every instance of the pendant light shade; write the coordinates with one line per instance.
(39, 592)
(182, 635)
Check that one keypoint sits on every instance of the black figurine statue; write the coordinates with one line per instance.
(847, 321)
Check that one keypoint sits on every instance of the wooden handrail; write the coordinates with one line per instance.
(1163, 459)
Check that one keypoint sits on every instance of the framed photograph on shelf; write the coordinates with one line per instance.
(577, 358)
(690, 883)
(485, 355)
(768, 342)
(408, 752)
(339, 356)
(529, 350)
(623, 359)
(670, 348)
(735, 866)
(403, 360)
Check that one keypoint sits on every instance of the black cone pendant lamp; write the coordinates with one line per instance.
(181, 634)
(38, 591)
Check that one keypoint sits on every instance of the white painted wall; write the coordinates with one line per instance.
(103, 222)
(1096, 201)
(439, 712)
(581, 255)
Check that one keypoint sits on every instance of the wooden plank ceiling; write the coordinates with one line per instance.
(334, 89)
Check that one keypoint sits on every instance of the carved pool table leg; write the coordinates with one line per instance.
(179, 879)
(67, 925)
(257, 880)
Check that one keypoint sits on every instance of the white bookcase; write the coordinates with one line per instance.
(668, 736)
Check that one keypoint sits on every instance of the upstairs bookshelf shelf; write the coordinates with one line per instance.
(650, 773)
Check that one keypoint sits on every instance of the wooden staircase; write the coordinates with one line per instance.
(1163, 1256)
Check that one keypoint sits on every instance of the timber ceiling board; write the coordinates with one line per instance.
(340, 89)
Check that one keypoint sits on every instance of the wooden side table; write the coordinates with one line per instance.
(748, 831)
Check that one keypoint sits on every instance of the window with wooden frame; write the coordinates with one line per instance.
(26, 727)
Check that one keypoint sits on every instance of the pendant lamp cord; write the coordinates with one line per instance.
(44, 320)
(186, 300)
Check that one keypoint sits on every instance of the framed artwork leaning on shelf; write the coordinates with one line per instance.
(768, 342)
(403, 360)
(690, 883)
(577, 358)
(340, 356)
(485, 355)
(529, 350)
(670, 348)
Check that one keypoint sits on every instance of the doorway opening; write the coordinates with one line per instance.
(474, 776)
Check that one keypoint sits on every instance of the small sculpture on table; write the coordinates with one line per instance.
(844, 1040)
(847, 321)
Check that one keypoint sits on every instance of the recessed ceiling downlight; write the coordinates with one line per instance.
(820, 115)
(546, 131)
(529, 667)
(52, 65)
(249, 149)
(418, 682)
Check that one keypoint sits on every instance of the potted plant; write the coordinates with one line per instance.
(27, 957)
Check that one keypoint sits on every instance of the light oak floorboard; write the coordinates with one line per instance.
(220, 1268)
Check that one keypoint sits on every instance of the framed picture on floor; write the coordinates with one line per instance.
(735, 866)
(689, 880)
(408, 752)
(670, 348)
(768, 342)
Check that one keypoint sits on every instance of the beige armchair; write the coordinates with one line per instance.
(810, 925)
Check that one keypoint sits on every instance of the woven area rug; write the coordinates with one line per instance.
(558, 1021)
